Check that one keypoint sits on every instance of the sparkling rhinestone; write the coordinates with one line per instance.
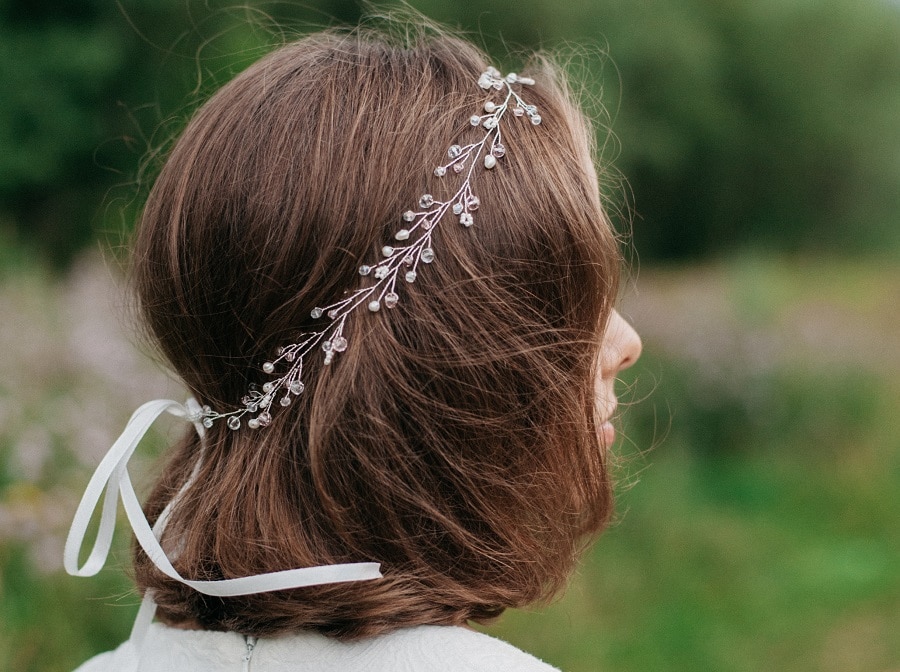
(466, 219)
(296, 387)
(268, 367)
(473, 202)
(490, 161)
(427, 255)
(498, 150)
(207, 422)
(475, 120)
(339, 344)
(490, 107)
(365, 269)
(458, 167)
(391, 299)
(454, 151)
(285, 401)
(316, 313)
(382, 272)
(518, 111)
(264, 419)
(253, 423)
(410, 276)
(440, 171)
(402, 234)
(409, 216)
(268, 387)
(374, 306)
(387, 251)
(234, 422)
(512, 77)
(426, 201)
(457, 208)
(536, 119)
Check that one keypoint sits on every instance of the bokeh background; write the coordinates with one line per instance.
(756, 155)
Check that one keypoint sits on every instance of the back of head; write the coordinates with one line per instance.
(454, 441)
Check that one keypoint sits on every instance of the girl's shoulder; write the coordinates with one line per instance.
(419, 649)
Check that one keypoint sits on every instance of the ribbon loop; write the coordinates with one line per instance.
(111, 479)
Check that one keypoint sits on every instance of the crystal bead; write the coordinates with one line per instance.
(497, 85)
(427, 255)
(285, 401)
(485, 81)
(490, 161)
(279, 351)
(253, 407)
(490, 107)
(498, 150)
(492, 71)
(234, 422)
(526, 80)
(402, 234)
(466, 219)
(296, 387)
(518, 111)
(253, 423)
(410, 276)
(387, 251)
(454, 151)
(265, 401)
(473, 202)
(207, 422)
(264, 419)
(290, 356)
(374, 306)
(458, 167)
(427, 224)
(245, 400)
(490, 123)
(457, 208)
(408, 260)
(268, 387)
(391, 299)
(475, 120)
(339, 344)
(512, 77)
(531, 109)
(426, 201)
(316, 313)
(365, 269)
(381, 272)
(536, 119)
(268, 367)
(409, 216)
(326, 346)
(333, 313)
(328, 357)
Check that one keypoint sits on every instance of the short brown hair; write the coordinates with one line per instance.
(455, 440)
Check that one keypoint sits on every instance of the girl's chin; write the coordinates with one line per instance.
(608, 433)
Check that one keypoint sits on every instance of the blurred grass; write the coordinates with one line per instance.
(759, 532)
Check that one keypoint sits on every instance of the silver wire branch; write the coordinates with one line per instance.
(410, 248)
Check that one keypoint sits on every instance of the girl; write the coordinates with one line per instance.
(384, 272)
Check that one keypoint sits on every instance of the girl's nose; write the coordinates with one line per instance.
(621, 345)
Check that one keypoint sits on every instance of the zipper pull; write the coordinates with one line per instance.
(251, 644)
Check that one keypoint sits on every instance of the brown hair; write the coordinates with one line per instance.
(454, 441)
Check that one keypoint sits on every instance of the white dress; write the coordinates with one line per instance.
(426, 648)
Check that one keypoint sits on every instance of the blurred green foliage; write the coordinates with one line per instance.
(739, 123)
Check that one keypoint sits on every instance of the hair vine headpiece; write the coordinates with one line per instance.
(401, 258)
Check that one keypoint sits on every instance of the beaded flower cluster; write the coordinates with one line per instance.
(401, 258)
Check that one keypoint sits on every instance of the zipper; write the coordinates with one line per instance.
(251, 644)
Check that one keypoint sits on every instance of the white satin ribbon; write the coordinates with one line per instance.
(112, 476)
